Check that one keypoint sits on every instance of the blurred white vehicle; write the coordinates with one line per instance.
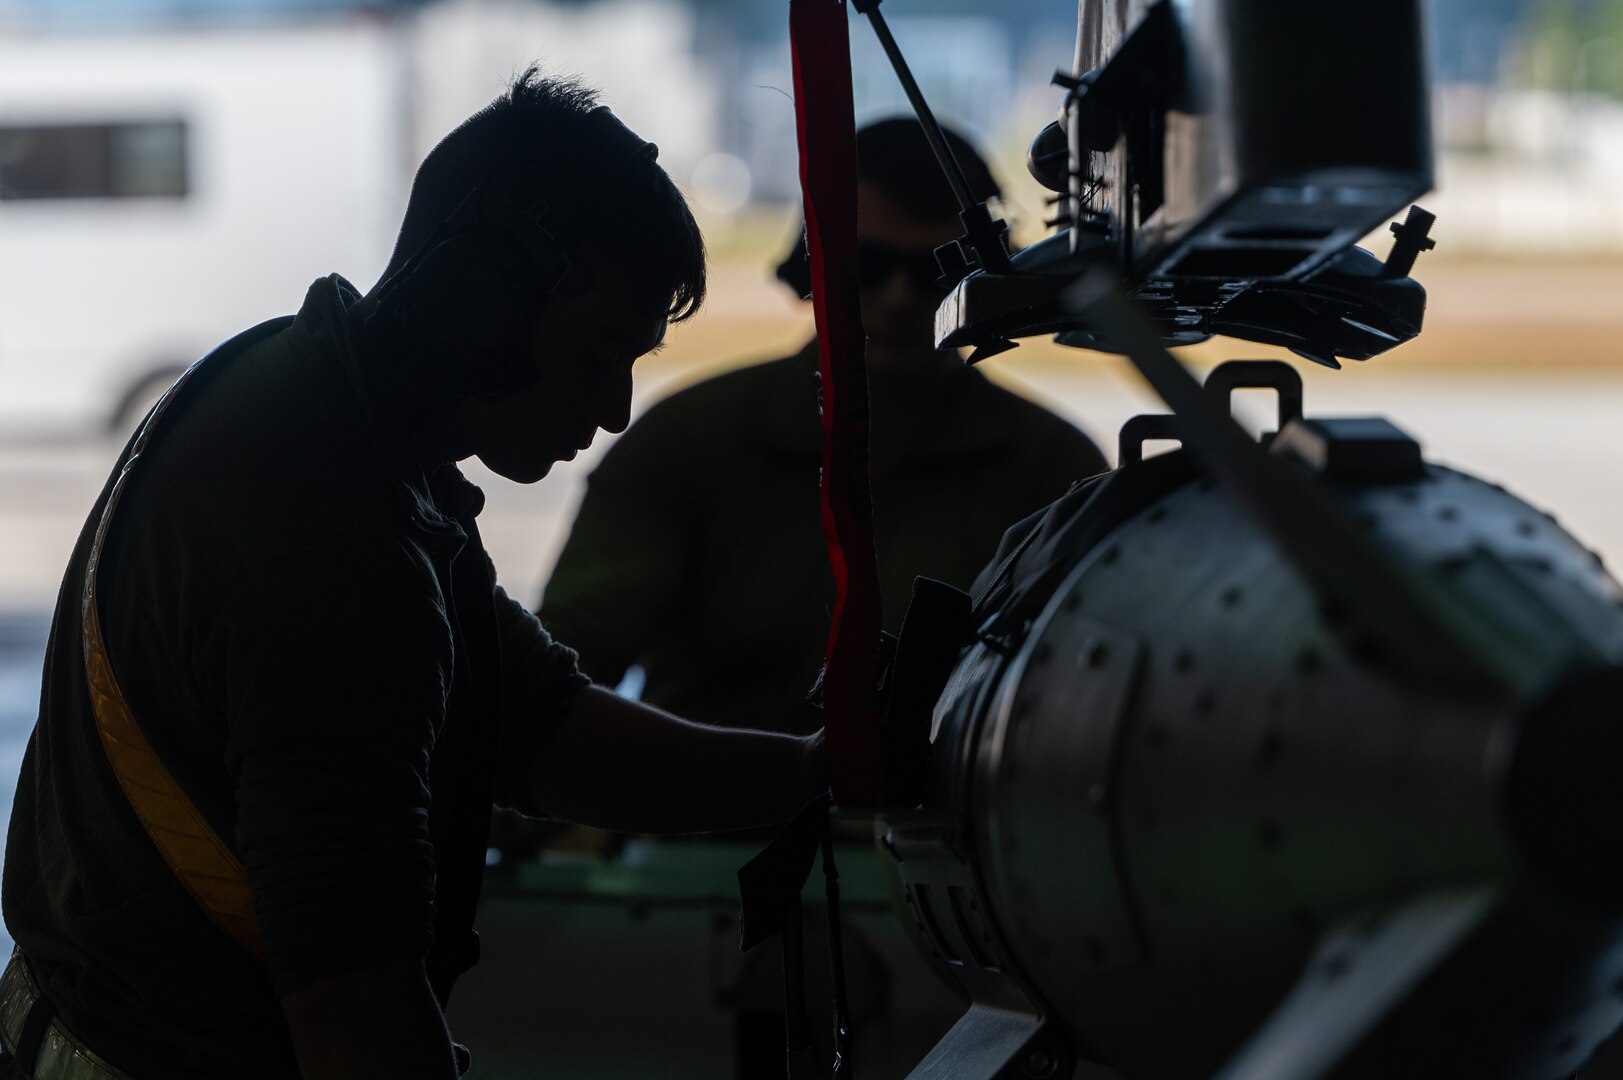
(161, 191)
(163, 187)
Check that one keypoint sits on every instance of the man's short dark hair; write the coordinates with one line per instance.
(895, 157)
(602, 210)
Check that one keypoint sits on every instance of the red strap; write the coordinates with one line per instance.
(828, 179)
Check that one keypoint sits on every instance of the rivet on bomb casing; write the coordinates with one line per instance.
(1039, 1064)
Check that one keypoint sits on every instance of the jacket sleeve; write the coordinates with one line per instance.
(337, 672)
(631, 552)
(540, 678)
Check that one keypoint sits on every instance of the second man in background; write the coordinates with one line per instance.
(698, 550)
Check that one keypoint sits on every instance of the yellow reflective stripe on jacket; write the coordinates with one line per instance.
(206, 867)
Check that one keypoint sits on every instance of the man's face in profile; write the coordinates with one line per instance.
(899, 293)
(583, 348)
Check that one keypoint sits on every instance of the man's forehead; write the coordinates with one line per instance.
(643, 332)
(627, 284)
(888, 220)
(654, 336)
(630, 314)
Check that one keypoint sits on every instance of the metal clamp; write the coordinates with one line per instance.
(1276, 375)
(1224, 380)
(1141, 429)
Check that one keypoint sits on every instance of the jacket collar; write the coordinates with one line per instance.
(440, 503)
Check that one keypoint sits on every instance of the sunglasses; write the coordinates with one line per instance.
(877, 264)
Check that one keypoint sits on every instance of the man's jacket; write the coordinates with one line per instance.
(308, 632)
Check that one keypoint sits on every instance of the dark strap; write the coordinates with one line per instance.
(828, 175)
(842, 1065)
(770, 886)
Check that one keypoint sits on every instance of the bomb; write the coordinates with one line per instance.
(1185, 809)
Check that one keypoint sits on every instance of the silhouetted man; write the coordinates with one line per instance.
(283, 690)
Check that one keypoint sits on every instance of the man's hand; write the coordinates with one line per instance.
(379, 1021)
(622, 765)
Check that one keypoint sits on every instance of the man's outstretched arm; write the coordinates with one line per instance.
(622, 765)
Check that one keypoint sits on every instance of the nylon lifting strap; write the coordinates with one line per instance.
(204, 864)
(826, 128)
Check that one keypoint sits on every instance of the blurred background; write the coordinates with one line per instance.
(172, 171)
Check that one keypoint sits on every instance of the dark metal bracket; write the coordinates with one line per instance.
(983, 244)
(1224, 380)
